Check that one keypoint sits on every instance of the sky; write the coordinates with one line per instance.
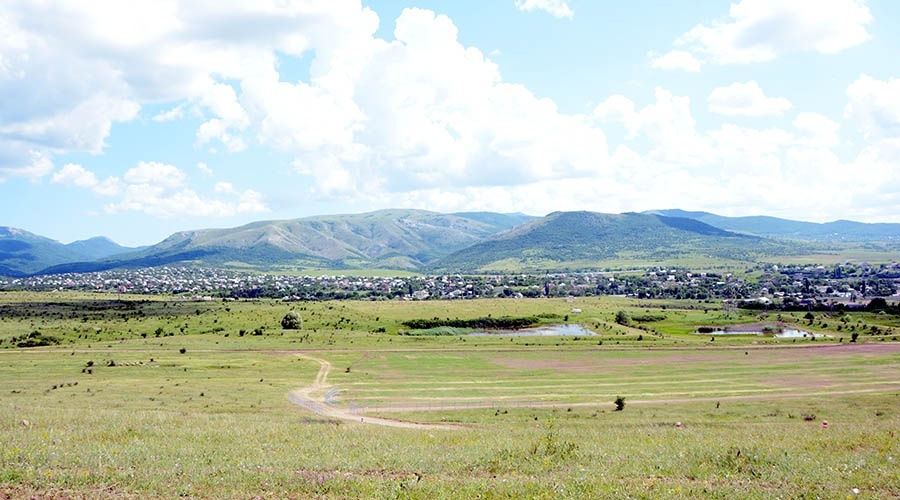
(134, 120)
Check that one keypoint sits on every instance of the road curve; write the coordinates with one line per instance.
(312, 398)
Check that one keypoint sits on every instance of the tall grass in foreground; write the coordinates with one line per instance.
(512, 453)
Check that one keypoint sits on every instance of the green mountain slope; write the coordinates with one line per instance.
(394, 239)
(579, 240)
(23, 253)
(98, 247)
(773, 227)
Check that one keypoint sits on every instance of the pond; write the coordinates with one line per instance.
(786, 333)
(542, 331)
(790, 333)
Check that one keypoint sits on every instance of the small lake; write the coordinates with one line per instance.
(787, 333)
(543, 331)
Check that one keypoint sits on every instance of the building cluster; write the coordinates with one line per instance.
(785, 284)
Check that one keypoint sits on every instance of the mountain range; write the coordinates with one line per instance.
(22, 252)
(773, 227)
(420, 240)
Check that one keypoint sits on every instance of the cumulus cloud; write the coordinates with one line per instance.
(666, 160)
(155, 174)
(745, 99)
(817, 130)
(19, 162)
(762, 30)
(75, 175)
(173, 114)
(676, 59)
(159, 189)
(417, 118)
(874, 107)
(203, 167)
(420, 111)
(557, 8)
(69, 70)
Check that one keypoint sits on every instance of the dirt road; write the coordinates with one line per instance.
(312, 398)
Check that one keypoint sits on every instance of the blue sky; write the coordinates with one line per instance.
(138, 119)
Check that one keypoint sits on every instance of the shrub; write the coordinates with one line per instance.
(292, 321)
(623, 318)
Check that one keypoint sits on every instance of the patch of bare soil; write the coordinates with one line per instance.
(312, 398)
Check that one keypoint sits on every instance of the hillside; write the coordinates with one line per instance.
(394, 239)
(420, 240)
(574, 239)
(22, 252)
(774, 227)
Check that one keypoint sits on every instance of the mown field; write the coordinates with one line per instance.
(142, 397)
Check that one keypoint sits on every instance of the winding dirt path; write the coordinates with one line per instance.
(312, 398)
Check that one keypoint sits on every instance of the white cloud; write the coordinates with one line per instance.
(667, 161)
(224, 187)
(762, 30)
(745, 99)
(153, 173)
(69, 70)
(418, 112)
(875, 107)
(75, 175)
(419, 118)
(251, 202)
(158, 189)
(184, 202)
(173, 114)
(32, 165)
(557, 8)
(817, 130)
(676, 59)
(111, 186)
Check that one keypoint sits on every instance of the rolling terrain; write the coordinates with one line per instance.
(391, 239)
(424, 241)
(22, 252)
(774, 227)
(585, 239)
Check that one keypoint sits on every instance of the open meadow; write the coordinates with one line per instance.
(160, 397)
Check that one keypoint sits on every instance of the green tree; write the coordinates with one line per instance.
(292, 321)
(623, 318)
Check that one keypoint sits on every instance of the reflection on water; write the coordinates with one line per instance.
(543, 331)
(788, 333)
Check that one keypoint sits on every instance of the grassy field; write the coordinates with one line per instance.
(158, 398)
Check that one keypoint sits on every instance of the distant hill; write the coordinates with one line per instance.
(421, 240)
(392, 239)
(98, 247)
(773, 227)
(23, 253)
(565, 239)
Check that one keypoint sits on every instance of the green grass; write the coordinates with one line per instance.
(537, 414)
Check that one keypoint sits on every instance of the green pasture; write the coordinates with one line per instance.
(204, 413)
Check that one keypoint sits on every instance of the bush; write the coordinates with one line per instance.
(35, 339)
(292, 321)
(623, 318)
